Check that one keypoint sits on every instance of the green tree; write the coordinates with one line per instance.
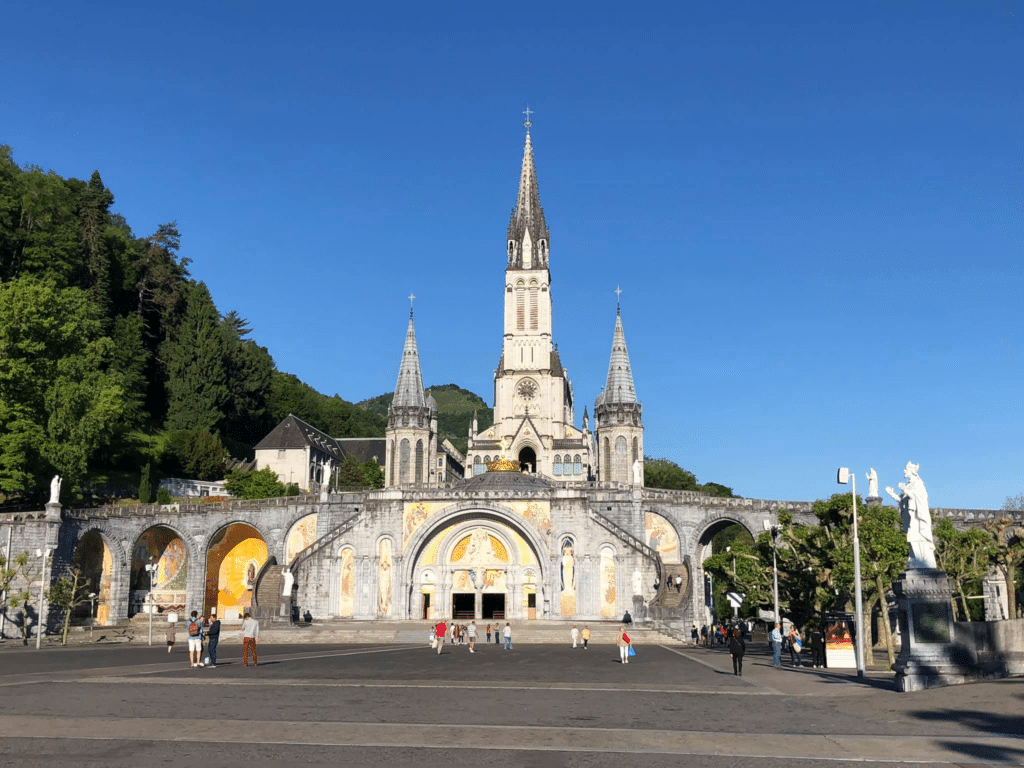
(197, 454)
(163, 496)
(662, 473)
(1007, 555)
(964, 556)
(197, 389)
(67, 593)
(145, 489)
(13, 570)
(262, 484)
(60, 399)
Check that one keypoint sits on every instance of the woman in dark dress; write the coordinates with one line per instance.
(737, 648)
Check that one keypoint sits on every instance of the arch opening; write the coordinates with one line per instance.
(234, 558)
(94, 559)
(164, 587)
(528, 460)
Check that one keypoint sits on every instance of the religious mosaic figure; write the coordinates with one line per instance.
(608, 583)
(917, 518)
(348, 583)
(568, 566)
(384, 579)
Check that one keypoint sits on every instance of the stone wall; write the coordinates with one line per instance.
(994, 648)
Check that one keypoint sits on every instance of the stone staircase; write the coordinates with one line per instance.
(267, 598)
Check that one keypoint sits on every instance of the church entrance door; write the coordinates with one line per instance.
(463, 605)
(493, 606)
(528, 460)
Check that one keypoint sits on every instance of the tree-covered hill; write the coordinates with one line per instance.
(455, 409)
(113, 357)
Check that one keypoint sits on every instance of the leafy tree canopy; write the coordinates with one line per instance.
(662, 473)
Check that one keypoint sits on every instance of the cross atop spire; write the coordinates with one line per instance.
(412, 298)
(618, 299)
(527, 124)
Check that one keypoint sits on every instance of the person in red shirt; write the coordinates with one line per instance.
(439, 632)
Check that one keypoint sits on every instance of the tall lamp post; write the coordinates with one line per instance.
(843, 477)
(775, 569)
(43, 554)
(151, 569)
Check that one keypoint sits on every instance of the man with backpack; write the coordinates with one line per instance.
(212, 638)
(195, 639)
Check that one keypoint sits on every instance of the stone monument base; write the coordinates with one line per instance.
(927, 657)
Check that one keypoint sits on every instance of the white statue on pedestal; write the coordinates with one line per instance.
(637, 467)
(286, 586)
(55, 490)
(917, 519)
(872, 484)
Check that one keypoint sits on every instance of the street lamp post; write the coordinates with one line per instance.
(92, 612)
(844, 476)
(775, 568)
(43, 554)
(151, 569)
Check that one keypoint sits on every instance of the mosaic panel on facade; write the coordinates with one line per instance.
(301, 535)
(608, 583)
(661, 536)
(347, 583)
(235, 558)
(385, 572)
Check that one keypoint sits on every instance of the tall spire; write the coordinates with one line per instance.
(528, 216)
(409, 389)
(619, 388)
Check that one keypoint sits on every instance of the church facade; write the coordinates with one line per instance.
(550, 520)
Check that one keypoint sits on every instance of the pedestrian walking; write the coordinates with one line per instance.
(737, 648)
(171, 631)
(817, 648)
(679, 583)
(212, 638)
(575, 635)
(623, 642)
(795, 646)
(586, 636)
(195, 639)
(250, 634)
(471, 632)
(497, 634)
(508, 636)
(439, 632)
(488, 633)
(775, 639)
(695, 635)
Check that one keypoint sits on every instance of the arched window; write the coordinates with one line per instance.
(419, 461)
(606, 470)
(533, 307)
(520, 306)
(636, 449)
(391, 471)
(478, 465)
(556, 466)
(403, 462)
(578, 466)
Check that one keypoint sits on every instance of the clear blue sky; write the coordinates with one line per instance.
(814, 209)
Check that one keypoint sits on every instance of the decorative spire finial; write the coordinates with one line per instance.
(618, 299)
(527, 124)
(412, 298)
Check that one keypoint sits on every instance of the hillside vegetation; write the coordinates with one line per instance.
(114, 359)
(455, 409)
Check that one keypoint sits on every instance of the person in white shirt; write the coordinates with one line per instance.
(250, 634)
(575, 635)
(471, 633)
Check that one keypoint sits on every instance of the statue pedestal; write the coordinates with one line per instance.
(927, 658)
(53, 510)
(873, 501)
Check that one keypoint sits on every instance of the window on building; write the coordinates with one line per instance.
(405, 455)
(282, 453)
(556, 467)
(419, 461)
(578, 466)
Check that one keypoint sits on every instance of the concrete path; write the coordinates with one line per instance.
(535, 705)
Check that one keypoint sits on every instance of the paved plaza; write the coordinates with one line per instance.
(537, 705)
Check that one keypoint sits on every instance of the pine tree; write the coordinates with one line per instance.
(145, 490)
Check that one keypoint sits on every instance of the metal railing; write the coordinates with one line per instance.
(327, 540)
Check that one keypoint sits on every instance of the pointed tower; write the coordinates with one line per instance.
(618, 422)
(533, 396)
(412, 423)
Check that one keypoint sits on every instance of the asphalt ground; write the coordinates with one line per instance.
(537, 705)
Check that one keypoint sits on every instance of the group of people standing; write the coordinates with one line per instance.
(467, 633)
(199, 627)
(793, 640)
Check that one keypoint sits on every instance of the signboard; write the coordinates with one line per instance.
(839, 643)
